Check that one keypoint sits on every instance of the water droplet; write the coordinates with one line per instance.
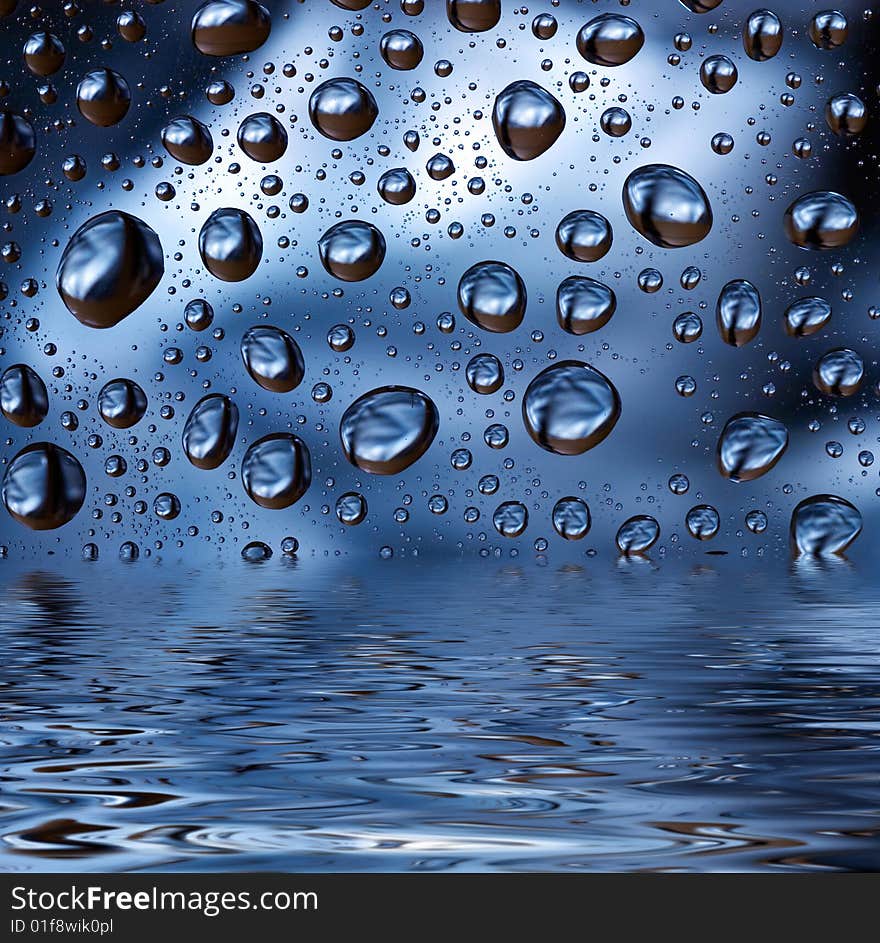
(351, 508)
(839, 372)
(544, 26)
(828, 29)
(824, 524)
(821, 220)
(188, 140)
(122, 403)
(638, 534)
(610, 39)
(386, 430)
(109, 268)
(492, 296)
(667, 206)
(722, 143)
(230, 27)
(23, 396)
(738, 312)
(272, 358)
(397, 186)
(262, 137)
(571, 518)
(44, 486)
(43, 53)
(527, 120)
(583, 305)
(510, 518)
(276, 471)
(750, 445)
(584, 236)
(806, 316)
(198, 314)
(230, 245)
(570, 407)
(210, 430)
(846, 115)
(342, 109)
(103, 97)
(687, 327)
(256, 552)
(352, 250)
(702, 522)
(762, 35)
(401, 49)
(485, 374)
(473, 16)
(18, 143)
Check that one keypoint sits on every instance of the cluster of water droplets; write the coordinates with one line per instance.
(354, 271)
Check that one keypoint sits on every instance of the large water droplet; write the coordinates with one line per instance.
(230, 27)
(43, 53)
(396, 186)
(103, 97)
(351, 508)
(401, 49)
(821, 220)
(571, 518)
(667, 206)
(121, 403)
(702, 522)
(276, 471)
(262, 137)
(492, 296)
(386, 430)
(583, 305)
(188, 140)
(272, 358)
(473, 16)
(824, 524)
(638, 534)
(610, 39)
(485, 374)
(584, 236)
(806, 316)
(109, 268)
(342, 109)
(230, 245)
(846, 114)
(44, 486)
(352, 250)
(570, 407)
(511, 518)
(762, 35)
(750, 445)
(828, 29)
(23, 396)
(718, 74)
(210, 430)
(839, 372)
(18, 143)
(527, 120)
(738, 312)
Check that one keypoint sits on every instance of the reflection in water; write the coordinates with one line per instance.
(455, 715)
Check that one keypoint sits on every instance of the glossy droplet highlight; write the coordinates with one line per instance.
(637, 534)
(103, 97)
(272, 358)
(24, 400)
(806, 316)
(570, 407)
(485, 374)
(401, 49)
(210, 430)
(188, 140)
(230, 27)
(762, 35)
(738, 312)
(342, 109)
(584, 236)
(527, 120)
(122, 403)
(610, 39)
(571, 518)
(262, 137)
(824, 524)
(839, 372)
(583, 305)
(110, 266)
(352, 250)
(386, 430)
(666, 206)
(750, 445)
(492, 296)
(821, 220)
(18, 143)
(230, 245)
(276, 471)
(510, 519)
(44, 486)
(473, 16)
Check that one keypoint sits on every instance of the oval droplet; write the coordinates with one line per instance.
(352, 250)
(188, 140)
(702, 522)
(666, 206)
(103, 97)
(750, 445)
(230, 27)
(492, 296)
(262, 137)
(351, 508)
(24, 399)
(839, 372)
(485, 374)
(230, 245)
(210, 430)
(44, 486)
(718, 75)
(637, 534)
(571, 518)
(738, 312)
(824, 524)
(18, 143)
(527, 120)
(610, 39)
(342, 109)
(272, 358)
(401, 49)
(473, 16)
(276, 471)
(762, 35)
(821, 220)
(583, 305)
(511, 519)
(122, 403)
(806, 316)
(396, 186)
(43, 53)
(584, 236)
(846, 115)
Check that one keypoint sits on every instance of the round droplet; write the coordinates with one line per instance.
(650, 280)
(571, 518)
(570, 407)
(210, 430)
(722, 143)
(18, 143)
(584, 236)
(473, 16)
(756, 521)
(807, 316)
(230, 27)
(750, 445)
(397, 186)
(401, 49)
(821, 220)
(527, 120)
(687, 327)
(824, 524)
(485, 374)
(276, 471)
(738, 312)
(702, 522)
(340, 337)
(762, 35)
(544, 26)
(386, 430)
(718, 74)
(440, 167)
(166, 506)
(342, 109)
(262, 137)
(352, 250)
(43, 53)
(846, 115)
(198, 314)
(188, 140)
(492, 296)
(272, 358)
(828, 29)
(122, 403)
(610, 39)
(230, 245)
(103, 97)
(351, 508)
(583, 305)
(638, 534)
(839, 372)
(667, 206)
(511, 518)
(44, 486)
(109, 268)
(256, 552)
(23, 396)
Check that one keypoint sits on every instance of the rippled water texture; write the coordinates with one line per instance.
(440, 716)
